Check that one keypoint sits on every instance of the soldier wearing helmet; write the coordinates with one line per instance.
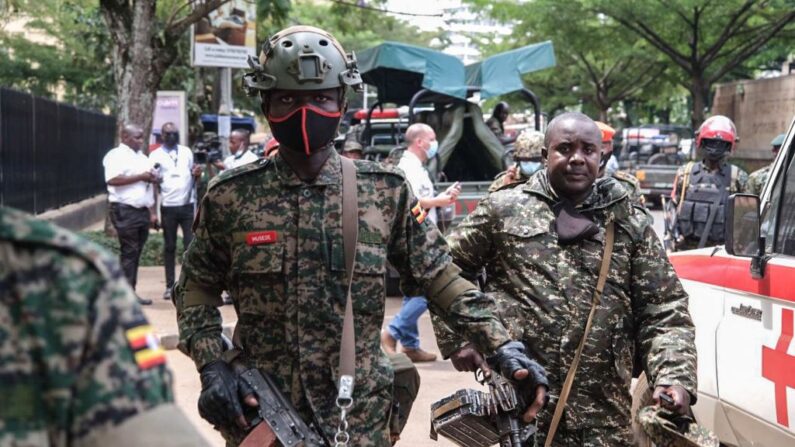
(527, 155)
(608, 166)
(270, 233)
(701, 189)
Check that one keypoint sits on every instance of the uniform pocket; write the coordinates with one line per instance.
(258, 286)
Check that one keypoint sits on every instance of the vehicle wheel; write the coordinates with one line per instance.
(641, 397)
(660, 159)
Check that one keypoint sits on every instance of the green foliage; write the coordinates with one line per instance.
(70, 54)
(152, 254)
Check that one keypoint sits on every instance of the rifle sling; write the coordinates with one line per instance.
(597, 296)
(350, 231)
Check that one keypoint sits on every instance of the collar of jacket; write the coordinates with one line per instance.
(330, 173)
(605, 192)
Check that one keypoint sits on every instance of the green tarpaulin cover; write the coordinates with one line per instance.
(502, 73)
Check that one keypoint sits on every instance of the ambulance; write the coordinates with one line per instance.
(742, 301)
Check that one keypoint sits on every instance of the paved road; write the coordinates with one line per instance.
(439, 379)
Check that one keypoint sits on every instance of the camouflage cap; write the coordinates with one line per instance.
(528, 144)
(669, 429)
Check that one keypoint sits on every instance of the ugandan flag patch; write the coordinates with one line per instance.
(143, 342)
(419, 212)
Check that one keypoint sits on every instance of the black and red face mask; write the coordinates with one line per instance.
(308, 128)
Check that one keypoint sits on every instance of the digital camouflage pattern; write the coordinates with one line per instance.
(528, 144)
(499, 181)
(290, 293)
(544, 292)
(663, 427)
(758, 179)
(631, 184)
(68, 374)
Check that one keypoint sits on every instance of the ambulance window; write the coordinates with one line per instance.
(783, 211)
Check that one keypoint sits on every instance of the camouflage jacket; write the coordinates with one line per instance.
(79, 364)
(544, 291)
(275, 244)
(631, 184)
(757, 180)
(499, 181)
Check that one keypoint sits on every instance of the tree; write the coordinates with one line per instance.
(146, 44)
(599, 63)
(705, 39)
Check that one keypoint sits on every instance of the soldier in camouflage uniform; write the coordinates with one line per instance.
(527, 155)
(625, 179)
(79, 364)
(544, 277)
(757, 179)
(270, 234)
(700, 187)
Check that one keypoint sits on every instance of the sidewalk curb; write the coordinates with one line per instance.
(170, 341)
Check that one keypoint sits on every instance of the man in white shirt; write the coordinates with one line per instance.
(130, 177)
(177, 195)
(422, 146)
(239, 141)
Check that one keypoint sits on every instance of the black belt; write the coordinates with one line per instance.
(122, 205)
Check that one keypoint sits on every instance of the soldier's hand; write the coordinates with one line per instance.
(679, 396)
(221, 395)
(469, 359)
(529, 377)
(511, 174)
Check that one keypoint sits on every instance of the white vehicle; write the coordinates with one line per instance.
(742, 300)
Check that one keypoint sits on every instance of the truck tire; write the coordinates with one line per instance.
(641, 397)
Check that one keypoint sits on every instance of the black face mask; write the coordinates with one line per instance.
(308, 128)
(170, 138)
(570, 225)
(716, 149)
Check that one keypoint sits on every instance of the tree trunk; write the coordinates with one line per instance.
(603, 113)
(699, 90)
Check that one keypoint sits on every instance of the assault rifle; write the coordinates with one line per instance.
(472, 418)
(276, 423)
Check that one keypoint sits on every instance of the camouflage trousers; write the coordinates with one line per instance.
(588, 437)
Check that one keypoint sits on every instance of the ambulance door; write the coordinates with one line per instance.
(755, 349)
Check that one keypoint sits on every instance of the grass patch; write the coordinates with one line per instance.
(152, 254)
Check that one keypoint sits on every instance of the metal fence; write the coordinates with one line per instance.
(50, 153)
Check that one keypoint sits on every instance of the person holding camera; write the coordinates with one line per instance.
(177, 196)
(129, 175)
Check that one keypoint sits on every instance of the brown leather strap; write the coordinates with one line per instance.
(350, 231)
(597, 296)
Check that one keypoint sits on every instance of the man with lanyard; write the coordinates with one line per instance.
(238, 146)
(422, 146)
(129, 175)
(271, 233)
(177, 196)
(701, 189)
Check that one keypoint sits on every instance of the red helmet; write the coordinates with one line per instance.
(719, 128)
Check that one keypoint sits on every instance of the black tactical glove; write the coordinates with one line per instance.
(222, 394)
(510, 358)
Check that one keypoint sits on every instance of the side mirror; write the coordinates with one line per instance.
(743, 231)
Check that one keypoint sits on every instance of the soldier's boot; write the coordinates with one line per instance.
(388, 343)
(418, 355)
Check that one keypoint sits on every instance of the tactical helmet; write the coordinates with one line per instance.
(301, 58)
(528, 144)
(717, 128)
(669, 429)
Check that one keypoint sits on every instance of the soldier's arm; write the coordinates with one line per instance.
(202, 279)
(665, 332)
(420, 254)
(471, 247)
(742, 181)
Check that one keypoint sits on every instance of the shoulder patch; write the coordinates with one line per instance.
(19, 226)
(374, 167)
(238, 171)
